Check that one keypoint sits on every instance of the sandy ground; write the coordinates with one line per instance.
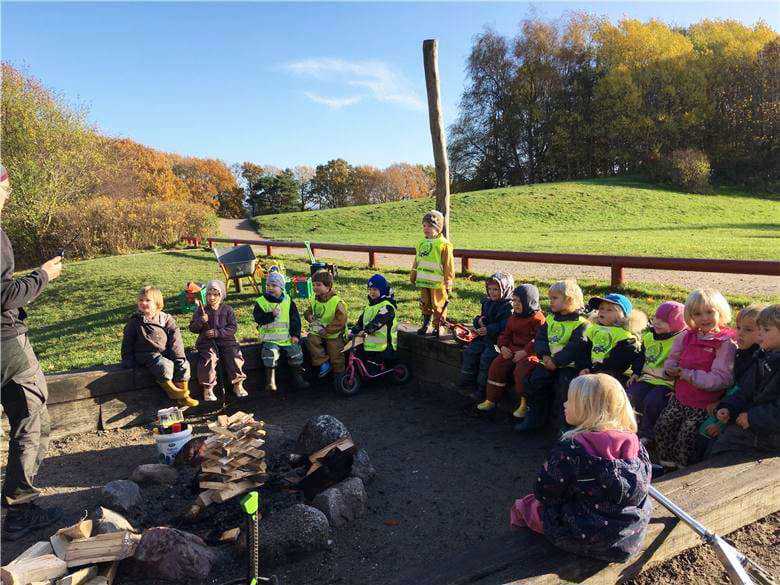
(445, 483)
(747, 284)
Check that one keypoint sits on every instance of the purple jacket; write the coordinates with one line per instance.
(223, 320)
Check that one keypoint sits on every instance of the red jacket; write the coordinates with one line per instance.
(519, 332)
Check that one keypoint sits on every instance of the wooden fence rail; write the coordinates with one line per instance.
(615, 263)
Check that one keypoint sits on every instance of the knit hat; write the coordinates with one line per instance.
(529, 296)
(615, 299)
(434, 218)
(218, 285)
(673, 313)
(275, 278)
(380, 283)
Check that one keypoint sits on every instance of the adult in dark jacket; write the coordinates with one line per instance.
(24, 391)
(755, 407)
(491, 321)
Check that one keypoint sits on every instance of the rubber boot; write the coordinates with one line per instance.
(173, 391)
(534, 419)
(298, 379)
(522, 409)
(426, 322)
(270, 379)
(186, 399)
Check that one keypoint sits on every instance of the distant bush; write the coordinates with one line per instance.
(690, 170)
(103, 225)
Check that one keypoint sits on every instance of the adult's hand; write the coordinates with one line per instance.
(53, 267)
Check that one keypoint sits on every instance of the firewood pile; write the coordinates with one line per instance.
(72, 556)
(233, 461)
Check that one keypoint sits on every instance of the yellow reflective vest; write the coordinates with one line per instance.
(278, 331)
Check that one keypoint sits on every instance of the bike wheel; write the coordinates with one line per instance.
(401, 374)
(348, 383)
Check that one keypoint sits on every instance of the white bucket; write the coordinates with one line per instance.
(169, 445)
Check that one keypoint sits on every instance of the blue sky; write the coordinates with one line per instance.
(276, 83)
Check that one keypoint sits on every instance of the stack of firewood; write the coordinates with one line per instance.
(72, 556)
(233, 461)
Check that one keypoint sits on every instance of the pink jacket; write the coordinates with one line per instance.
(707, 366)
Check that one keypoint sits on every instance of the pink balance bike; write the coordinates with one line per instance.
(358, 371)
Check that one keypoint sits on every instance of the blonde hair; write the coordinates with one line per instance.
(707, 297)
(769, 316)
(571, 291)
(750, 312)
(154, 294)
(597, 402)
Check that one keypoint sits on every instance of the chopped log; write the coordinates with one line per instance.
(37, 550)
(342, 444)
(234, 489)
(41, 568)
(108, 571)
(99, 580)
(102, 548)
(79, 577)
(79, 530)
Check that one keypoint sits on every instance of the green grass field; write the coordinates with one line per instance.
(78, 320)
(594, 216)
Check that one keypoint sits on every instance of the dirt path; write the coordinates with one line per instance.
(747, 284)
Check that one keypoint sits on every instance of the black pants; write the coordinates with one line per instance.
(547, 391)
(23, 395)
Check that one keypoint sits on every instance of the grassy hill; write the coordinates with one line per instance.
(593, 216)
(78, 321)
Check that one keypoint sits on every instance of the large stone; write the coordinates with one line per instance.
(343, 502)
(173, 555)
(122, 494)
(158, 473)
(320, 431)
(291, 532)
(362, 467)
(106, 521)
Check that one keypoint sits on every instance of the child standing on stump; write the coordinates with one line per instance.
(612, 339)
(516, 345)
(379, 324)
(488, 325)
(433, 272)
(153, 341)
(327, 320)
(591, 496)
(279, 324)
(702, 364)
(561, 348)
(649, 388)
(216, 326)
(754, 409)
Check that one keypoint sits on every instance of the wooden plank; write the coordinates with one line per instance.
(724, 494)
(236, 489)
(80, 416)
(37, 550)
(41, 568)
(108, 571)
(230, 535)
(131, 408)
(99, 580)
(79, 530)
(101, 548)
(79, 577)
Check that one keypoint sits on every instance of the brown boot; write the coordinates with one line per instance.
(186, 399)
(270, 379)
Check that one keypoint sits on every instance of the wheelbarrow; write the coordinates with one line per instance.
(239, 262)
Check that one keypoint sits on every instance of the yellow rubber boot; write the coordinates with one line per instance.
(173, 391)
(522, 410)
(486, 406)
(186, 399)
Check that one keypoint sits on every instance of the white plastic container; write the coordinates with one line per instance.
(169, 445)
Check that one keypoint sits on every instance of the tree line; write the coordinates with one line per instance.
(584, 97)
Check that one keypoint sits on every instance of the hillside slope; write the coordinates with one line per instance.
(593, 216)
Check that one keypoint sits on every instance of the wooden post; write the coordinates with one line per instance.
(617, 276)
(465, 265)
(372, 259)
(269, 251)
(439, 139)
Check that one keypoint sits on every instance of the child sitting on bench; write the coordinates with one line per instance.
(216, 326)
(152, 340)
(591, 495)
(327, 320)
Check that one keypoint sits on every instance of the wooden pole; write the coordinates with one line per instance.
(439, 139)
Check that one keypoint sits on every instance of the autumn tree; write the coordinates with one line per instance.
(333, 184)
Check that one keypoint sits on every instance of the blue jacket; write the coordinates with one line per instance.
(496, 315)
(594, 495)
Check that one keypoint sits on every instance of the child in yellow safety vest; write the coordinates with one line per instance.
(612, 339)
(560, 346)
(379, 323)
(279, 325)
(649, 389)
(433, 272)
(327, 320)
